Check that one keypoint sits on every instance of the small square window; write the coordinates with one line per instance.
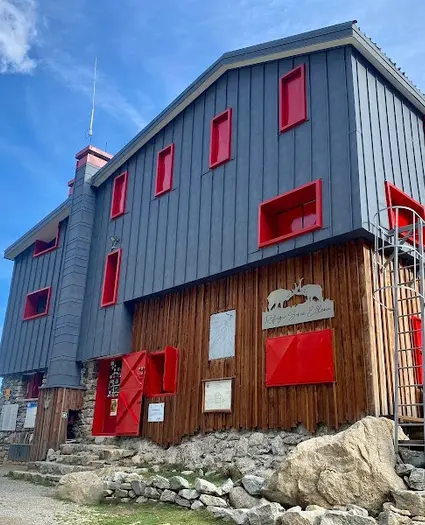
(292, 98)
(290, 214)
(37, 304)
(119, 194)
(111, 278)
(300, 359)
(222, 335)
(221, 138)
(46, 245)
(164, 170)
(162, 371)
(398, 215)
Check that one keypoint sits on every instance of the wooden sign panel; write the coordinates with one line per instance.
(218, 395)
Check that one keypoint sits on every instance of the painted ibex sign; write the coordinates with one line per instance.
(313, 308)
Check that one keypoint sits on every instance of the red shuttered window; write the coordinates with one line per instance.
(45, 246)
(119, 195)
(397, 201)
(221, 138)
(164, 170)
(162, 372)
(300, 359)
(292, 99)
(294, 213)
(37, 304)
(111, 278)
(34, 383)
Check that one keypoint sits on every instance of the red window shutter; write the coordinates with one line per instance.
(164, 170)
(417, 352)
(131, 394)
(293, 99)
(171, 369)
(111, 278)
(300, 359)
(221, 138)
(119, 195)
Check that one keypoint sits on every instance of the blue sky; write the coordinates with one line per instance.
(148, 52)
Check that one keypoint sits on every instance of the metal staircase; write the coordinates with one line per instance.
(399, 271)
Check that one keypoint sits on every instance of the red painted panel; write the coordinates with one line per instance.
(119, 195)
(164, 170)
(155, 375)
(293, 100)
(293, 213)
(111, 278)
(221, 138)
(171, 369)
(417, 352)
(131, 394)
(300, 359)
(37, 304)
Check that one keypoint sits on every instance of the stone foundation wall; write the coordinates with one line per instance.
(89, 375)
(18, 389)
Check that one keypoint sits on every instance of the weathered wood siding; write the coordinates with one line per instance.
(182, 319)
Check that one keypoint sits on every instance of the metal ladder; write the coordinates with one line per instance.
(399, 272)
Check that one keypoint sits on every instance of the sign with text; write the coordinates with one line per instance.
(9, 415)
(30, 415)
(156, 412)
(314, 308)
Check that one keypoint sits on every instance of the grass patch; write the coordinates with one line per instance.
(146, 514)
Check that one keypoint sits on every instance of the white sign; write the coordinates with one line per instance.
(313, 309)
(9, 415)
(30, 415)
(155, 412)
(222, 335)
(218, 396)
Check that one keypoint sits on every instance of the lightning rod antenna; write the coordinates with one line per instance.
(90, 132)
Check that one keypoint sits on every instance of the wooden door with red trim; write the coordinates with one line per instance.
(130, 398)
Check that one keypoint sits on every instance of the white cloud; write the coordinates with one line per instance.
(18, 32)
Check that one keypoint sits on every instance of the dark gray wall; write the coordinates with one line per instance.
(208, 223)
(390, 141)
(26, 345)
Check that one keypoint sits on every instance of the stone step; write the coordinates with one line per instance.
(108, 453)
(60, 469)
(36, 477)
(82, 459)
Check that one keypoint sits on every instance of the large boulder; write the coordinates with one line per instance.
(354, 466)
(84, 488)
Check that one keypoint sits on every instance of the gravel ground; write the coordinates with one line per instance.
(22, 503)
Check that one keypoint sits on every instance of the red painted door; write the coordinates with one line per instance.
(131, 394)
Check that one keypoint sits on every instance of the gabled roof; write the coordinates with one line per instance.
(47, 227)
(327, 38)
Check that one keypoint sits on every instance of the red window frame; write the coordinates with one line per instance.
(111, 278)
(396, 197)
(43, 247)
(119, 195)
(294, 213)
(288, 99)
(301, 359)
(34, 383)
(162, 370)
(221, 124)
(71, 187)
(30, 308)
(164, 171)
(417, 350)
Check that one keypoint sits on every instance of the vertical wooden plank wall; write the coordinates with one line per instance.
(182, 319)
(50, 427)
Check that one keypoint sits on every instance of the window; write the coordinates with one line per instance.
(111, 278)
(221, 138)
(162, 372)
(290, 214)
(44, 246)
(71, 187)
(300, 359)
(164, 170)
(400, 216)
(119, 193)
(417, 347)
(222, 335)
(37, 304)
(34, 383)
(292, 99)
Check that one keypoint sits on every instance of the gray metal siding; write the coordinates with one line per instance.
(208, 223)
(390, 141)
(26, 344)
